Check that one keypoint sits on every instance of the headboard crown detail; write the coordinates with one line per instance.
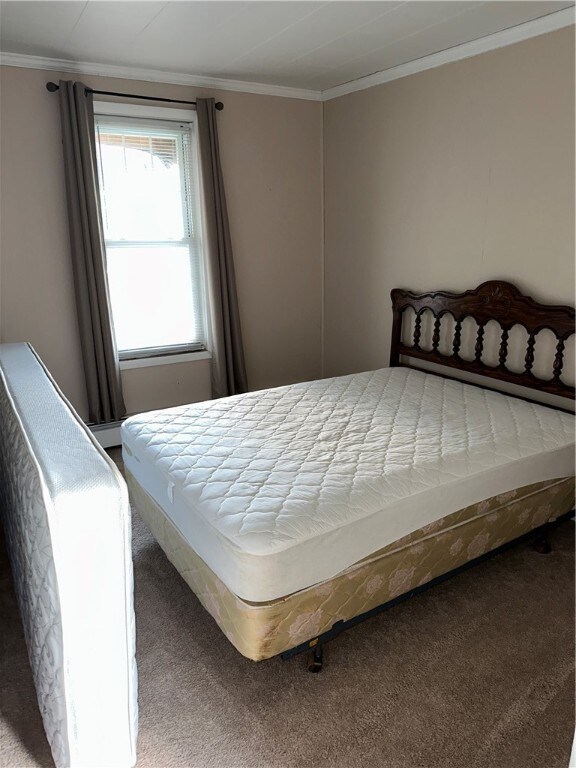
(494, 300)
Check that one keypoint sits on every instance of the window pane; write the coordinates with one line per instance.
(154, 301)
(142, 184)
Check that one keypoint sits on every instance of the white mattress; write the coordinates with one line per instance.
(280, 489)
(67, 521)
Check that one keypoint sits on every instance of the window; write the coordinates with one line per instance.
(148, 175)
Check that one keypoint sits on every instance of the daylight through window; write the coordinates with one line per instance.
(151, 217)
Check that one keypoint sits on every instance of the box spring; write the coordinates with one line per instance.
(262, 630)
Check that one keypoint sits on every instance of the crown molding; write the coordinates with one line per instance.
(154, 76)
(549, 23)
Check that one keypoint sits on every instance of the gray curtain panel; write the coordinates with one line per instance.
(228, 368)
(101, 367)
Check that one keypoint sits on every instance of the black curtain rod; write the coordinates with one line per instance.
(54, 87)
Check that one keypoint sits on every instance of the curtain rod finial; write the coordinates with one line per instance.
(219, 106)
(52, 87)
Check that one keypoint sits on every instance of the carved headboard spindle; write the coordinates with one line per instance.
(503, 354)
(529, 359)
(417, 330)
(479, 348)
(558, 360)
(457, 343)
(436, 334)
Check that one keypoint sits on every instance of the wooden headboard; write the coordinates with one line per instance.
(494, 300)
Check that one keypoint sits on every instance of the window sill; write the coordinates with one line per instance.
(151, 362)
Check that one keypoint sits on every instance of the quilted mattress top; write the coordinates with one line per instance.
(299, 482)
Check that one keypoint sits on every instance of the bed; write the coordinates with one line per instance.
(295, 512)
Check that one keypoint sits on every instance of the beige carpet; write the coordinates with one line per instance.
(476, 673)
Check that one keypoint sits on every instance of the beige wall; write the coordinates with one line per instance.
(444, 179)
(172, 384)
(271, 157)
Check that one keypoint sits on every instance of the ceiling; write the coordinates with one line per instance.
(305, 45)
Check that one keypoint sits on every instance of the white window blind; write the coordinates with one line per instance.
(151, 214)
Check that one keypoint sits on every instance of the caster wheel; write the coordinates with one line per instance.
(542, 546)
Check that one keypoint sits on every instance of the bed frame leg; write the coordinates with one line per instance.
(541, 543)
(315, 658)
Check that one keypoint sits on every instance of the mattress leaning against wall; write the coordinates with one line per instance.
(67, 523)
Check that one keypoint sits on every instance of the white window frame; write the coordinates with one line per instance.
(141, 358)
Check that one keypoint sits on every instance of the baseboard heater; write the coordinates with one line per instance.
(108, 435)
